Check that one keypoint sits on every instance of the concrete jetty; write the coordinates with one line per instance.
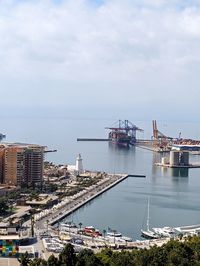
(78, 200)
(92, 139)
(90, 197)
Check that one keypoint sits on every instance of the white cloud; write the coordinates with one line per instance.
(137, 47)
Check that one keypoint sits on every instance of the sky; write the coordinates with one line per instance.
(100, 58)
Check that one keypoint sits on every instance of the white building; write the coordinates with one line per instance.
(79, 165)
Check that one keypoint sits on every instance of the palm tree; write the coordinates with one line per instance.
(104, 233)
(32, 225)
(24, 259)
(69, 227)
(80, 224)
(47, 221)
(114, 231)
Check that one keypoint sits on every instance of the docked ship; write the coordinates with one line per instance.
(123, 133)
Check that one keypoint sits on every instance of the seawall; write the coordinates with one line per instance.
(92, 196)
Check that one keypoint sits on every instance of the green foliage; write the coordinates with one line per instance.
(53, 187)
(24, 259)
(3, 206)
(173, 253)
(67, 257)
(38, 262)
(52, 261)
(87, 258)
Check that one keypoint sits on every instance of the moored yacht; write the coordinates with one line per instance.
(149, 233)
(164, 231)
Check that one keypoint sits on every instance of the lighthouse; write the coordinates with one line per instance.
(79, 165)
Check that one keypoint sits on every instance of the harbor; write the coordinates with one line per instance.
(122, 207)
(69, 205)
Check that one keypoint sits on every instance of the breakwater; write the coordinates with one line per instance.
(92, 139)
(91, 195)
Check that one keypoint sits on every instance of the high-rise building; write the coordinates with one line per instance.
(22, 164)
(2, 151)
(13, 165)
(34, 158)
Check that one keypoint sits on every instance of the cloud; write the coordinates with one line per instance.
(136, 47)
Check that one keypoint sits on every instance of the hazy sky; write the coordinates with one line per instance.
(111, 58)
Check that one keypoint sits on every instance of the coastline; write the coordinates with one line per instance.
(77, 201)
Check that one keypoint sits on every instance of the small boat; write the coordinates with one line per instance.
(127, 239)
(91, 231)
(67, 225)
(113, 233)
(149, 233)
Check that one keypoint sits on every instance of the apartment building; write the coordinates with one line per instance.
(21, 164)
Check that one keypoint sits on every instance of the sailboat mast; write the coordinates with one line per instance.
(148, 216)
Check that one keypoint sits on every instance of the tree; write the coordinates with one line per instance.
(3, 206)
(24, 259)
(32, 225)
(38, 262)
(47, 222)
(53, 261)
(87, 258)
(80, 224)
(67, 257)
(104, 233)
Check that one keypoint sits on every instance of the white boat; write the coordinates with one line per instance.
(67, 225)
(127, 239)
(164, 231)
(148, 233)
(113, 233)
(188, 229)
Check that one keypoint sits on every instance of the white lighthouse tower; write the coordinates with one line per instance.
(79, 165)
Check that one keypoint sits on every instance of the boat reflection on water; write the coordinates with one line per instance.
(180, 172)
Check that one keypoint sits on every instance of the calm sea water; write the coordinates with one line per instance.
(174, 194)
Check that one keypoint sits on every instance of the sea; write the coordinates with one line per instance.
(174, 194)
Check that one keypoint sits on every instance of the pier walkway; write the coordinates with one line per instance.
(71, 204)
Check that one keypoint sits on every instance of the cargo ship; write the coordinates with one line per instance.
(120, 138)
(123, 133)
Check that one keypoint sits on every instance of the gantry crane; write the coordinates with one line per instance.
(125, 128)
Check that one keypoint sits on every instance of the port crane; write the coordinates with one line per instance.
(126, 127)
(160, 140)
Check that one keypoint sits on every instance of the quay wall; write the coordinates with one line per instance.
(65, 214)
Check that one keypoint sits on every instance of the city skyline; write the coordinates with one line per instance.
(70, 58)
